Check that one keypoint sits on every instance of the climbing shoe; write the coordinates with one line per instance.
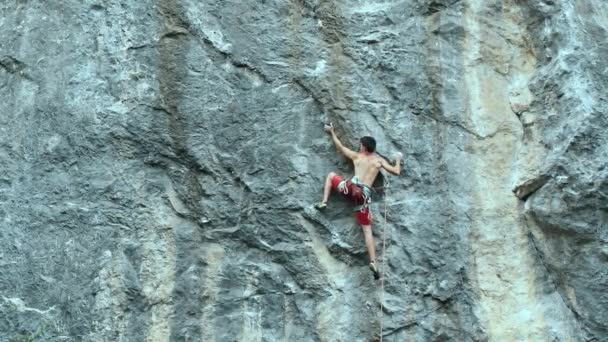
(372, 266)
(321, 205)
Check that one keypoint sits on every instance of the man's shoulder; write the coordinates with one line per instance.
(378, 158)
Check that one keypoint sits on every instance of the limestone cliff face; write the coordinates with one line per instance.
(159, 161)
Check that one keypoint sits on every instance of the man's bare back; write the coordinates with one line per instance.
(367, 167)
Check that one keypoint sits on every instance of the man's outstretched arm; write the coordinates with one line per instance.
(396, 170)
(341, 148)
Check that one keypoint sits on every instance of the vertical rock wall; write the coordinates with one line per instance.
(160, 159)
(567, 217)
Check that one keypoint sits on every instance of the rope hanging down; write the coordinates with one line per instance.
(384, 256)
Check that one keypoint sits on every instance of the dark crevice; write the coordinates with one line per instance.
(250, 68)
(460, 126)
(174, 33)
(11, 64)
(15, 66)
(435, 7)
(412, 322)
(138, 47)
(541, 258)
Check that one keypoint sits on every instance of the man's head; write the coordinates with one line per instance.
(368, 144)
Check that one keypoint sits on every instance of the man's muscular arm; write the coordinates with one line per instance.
(341, 148)
(396, 170)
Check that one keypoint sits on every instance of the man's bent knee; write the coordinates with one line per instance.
(335, 180)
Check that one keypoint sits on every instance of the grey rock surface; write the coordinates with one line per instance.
(160, 160)
(568, 216)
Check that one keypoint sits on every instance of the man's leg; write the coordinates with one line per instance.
(331, 182)
(365, 220)
(327, 188)
(369, 242)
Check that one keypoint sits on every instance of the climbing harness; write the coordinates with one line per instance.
(366, 191)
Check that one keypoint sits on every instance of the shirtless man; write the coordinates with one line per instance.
(358, 189)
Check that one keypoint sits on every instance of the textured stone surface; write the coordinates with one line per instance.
(568, 216)
(159, 161)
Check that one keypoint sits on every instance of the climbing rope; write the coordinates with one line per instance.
(382, 271)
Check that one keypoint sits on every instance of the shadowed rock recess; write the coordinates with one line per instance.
(159, 160)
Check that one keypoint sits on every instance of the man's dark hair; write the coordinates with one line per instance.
(369, 143)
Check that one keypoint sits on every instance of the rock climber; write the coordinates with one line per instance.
(359, 188)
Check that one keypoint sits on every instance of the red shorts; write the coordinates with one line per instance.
(364, 217)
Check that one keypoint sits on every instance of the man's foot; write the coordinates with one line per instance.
(321, 205)
(372, 266)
